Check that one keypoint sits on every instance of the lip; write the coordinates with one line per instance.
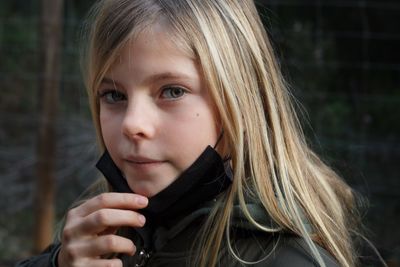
(142, 160)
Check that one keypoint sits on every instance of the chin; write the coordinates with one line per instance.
(145, 190)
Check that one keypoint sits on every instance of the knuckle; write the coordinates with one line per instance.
(102, 199)
(101, 217)
(71, 214)
(126, 198)
(111, 242)
(71, 252)
(67, 234)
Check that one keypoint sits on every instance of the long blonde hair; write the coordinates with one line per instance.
(270, 157)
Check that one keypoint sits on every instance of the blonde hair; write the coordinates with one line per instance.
(270, 157)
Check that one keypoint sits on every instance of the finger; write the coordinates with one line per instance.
(113, 201)
(107, 244)
(95, 248)
(99, 263)
(105, 263)
(109, 231)
(101, 220)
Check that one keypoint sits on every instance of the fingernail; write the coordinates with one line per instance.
(142, 201)
(142, 219)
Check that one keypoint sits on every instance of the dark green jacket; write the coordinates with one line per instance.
(170, 245)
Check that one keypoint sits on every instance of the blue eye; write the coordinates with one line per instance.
(173, 92)
(112, 96)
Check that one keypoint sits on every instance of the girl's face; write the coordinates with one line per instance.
(156, 115)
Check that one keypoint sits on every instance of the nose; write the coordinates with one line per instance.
(140, 120)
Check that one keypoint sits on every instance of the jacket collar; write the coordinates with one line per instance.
(205, 179)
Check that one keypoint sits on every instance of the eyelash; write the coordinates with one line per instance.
(170, 88)
(111, 93)
(115, 93)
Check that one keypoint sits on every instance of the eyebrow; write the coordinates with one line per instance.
(166, 76)
(153, 78)
(108, 81)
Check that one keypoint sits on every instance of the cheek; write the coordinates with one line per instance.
(207, 130)
(198, 124)
(192, 135)
(110, 127)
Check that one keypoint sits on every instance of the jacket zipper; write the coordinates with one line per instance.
(142, 258)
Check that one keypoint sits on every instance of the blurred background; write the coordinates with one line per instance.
(341, 58)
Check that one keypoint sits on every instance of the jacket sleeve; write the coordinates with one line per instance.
(295, 253)
(48, 258)
(289, 251)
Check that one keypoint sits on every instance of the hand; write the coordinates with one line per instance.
(90, 228)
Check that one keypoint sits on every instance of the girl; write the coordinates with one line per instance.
(203, 150)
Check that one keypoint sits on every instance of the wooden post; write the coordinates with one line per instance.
(49, 83)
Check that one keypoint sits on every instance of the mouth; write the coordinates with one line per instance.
(143, 161)
(144, 165)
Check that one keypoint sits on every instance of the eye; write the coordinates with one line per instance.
(112, 96)
(173, 92)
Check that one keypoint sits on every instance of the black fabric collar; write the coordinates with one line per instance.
(206, 178)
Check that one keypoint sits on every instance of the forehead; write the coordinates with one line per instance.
(157, 36)
(154, 51)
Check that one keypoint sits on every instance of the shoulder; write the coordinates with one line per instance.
(294, 251)
(267, 250)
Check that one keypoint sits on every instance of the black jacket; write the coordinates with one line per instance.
(171, 244)
(175, 216)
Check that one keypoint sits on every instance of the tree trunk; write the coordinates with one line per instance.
(49, 82)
